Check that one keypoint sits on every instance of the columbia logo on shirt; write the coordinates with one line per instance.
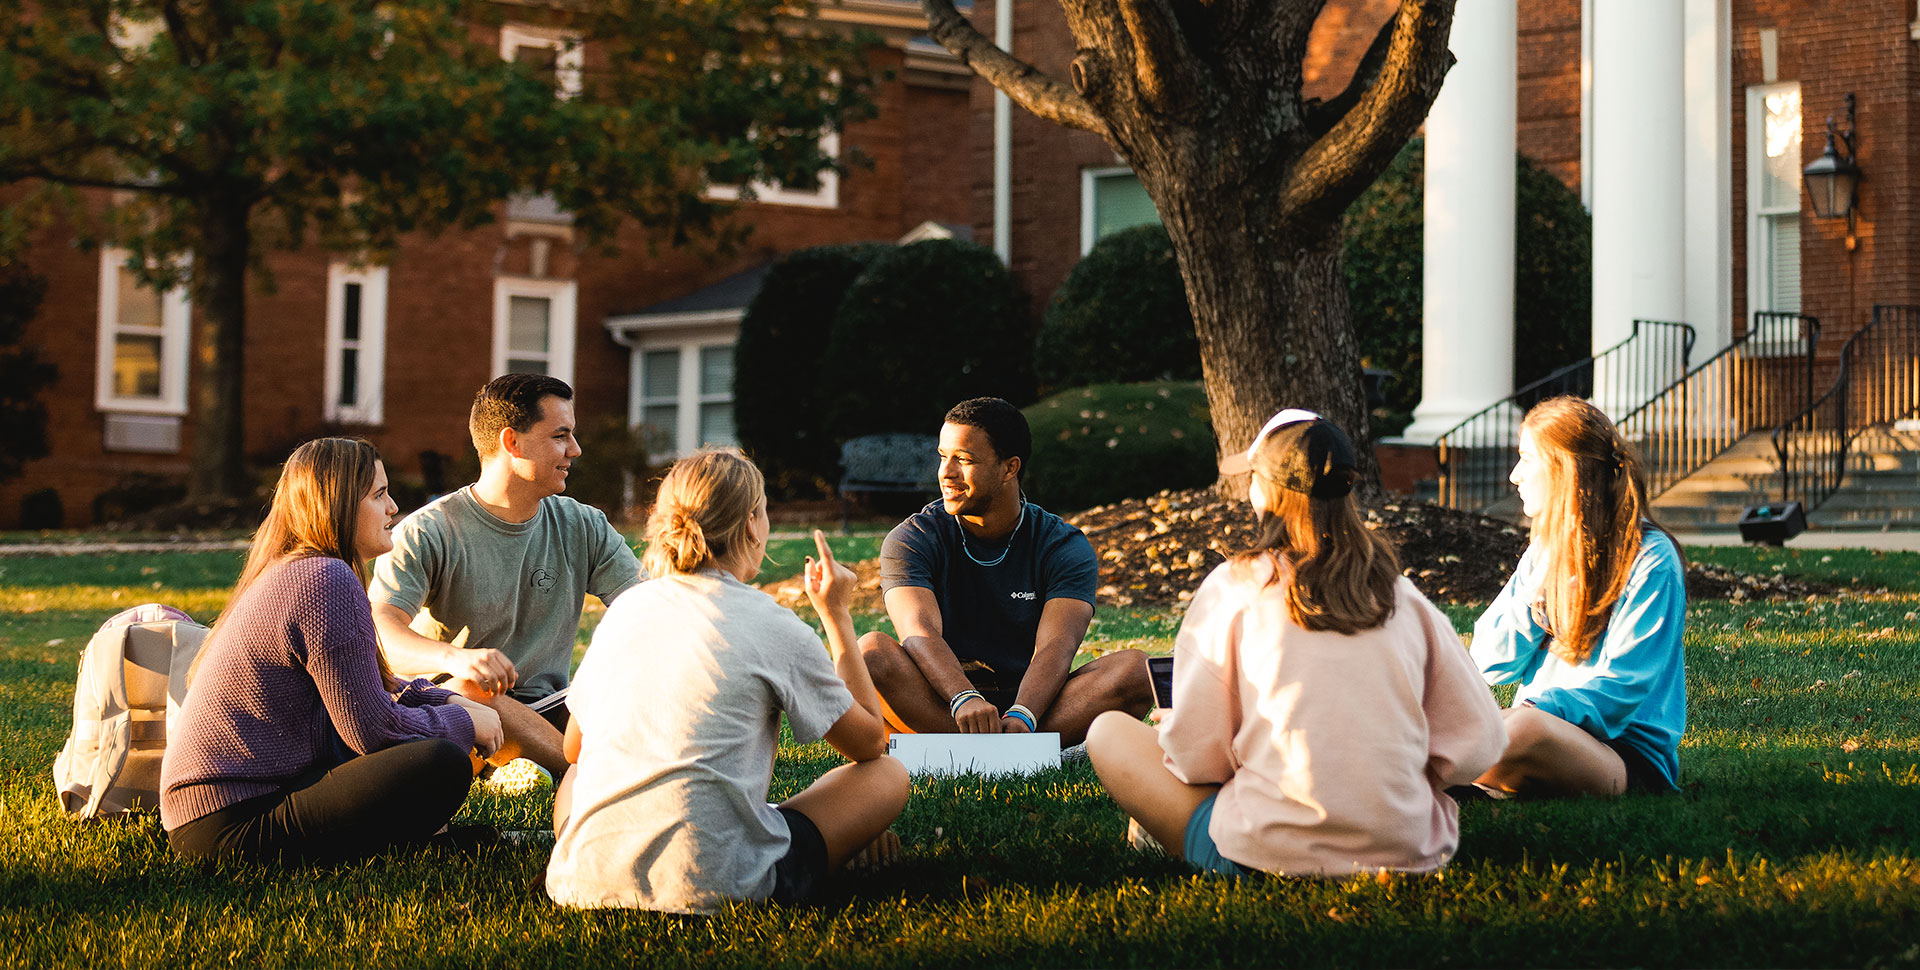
(1023, 596)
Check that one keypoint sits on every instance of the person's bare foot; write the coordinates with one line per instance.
(878, 854)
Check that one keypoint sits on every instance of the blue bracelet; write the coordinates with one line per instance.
(953, 706)
(1020, 714)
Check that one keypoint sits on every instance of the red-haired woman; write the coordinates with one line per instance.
(1590, 624)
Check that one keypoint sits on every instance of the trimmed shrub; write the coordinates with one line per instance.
(1120, 316)
(1552, 277)
(42, 509)
(776, 365)
(925, 327)
(1099, 444)
(613, 456)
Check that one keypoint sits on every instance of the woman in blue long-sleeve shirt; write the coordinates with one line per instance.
(1590, 624)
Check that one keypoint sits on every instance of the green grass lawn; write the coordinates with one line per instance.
(1795, 843)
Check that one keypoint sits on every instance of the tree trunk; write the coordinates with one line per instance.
(219, 472)
(1271, 312)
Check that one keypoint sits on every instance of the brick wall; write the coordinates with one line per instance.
(439, 340)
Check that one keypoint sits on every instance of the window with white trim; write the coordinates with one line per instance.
(1112, 199)
(533, 326)
(356, 343)
(686, 395)
(142, 362)
(820, 190)
(1773, 196)
(556, 54)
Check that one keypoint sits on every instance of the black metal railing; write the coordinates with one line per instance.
(1876, 382)
(1759, 380)
(1476, 455)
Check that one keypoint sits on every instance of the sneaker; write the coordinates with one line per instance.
(1473, 793)
(1141, 840)
(535, 837)
(466, 839)
(1074, 755)
(517, 777)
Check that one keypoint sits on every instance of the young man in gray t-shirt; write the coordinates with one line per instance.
(486, 583)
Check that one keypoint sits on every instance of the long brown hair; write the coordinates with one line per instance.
(315, 512)
(1589, 526)
(1342, 574)
(702, 513)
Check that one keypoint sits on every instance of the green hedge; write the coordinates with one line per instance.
(926, 326)
(1099, 444)
(1552, 277)
(777, 408)
(1120, 316)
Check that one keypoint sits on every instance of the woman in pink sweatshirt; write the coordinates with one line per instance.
(1321, 706)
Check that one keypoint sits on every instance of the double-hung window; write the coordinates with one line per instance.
(686, 396)
(142, 366)
(533, 326)
(356, 342)
(1773, 197)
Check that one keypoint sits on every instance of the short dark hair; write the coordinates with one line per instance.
(510, 401)
(1005, 426)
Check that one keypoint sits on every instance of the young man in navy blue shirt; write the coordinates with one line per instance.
(991, 596)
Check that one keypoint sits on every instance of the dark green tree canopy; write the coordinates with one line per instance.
(23, 374)
(237, 125)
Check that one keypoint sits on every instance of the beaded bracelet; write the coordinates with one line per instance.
(960, 699)
(1019, 712)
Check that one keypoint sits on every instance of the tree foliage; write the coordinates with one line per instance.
(1249, 176)
(1384, 259)
(23, 374)
(1121, 316)
(778, 407)
(926, 326)
(235, 126)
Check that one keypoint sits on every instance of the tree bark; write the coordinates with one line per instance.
(219, 472)
(1203, 100)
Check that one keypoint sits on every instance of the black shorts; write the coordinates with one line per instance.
(800, 872)
(1642, 776)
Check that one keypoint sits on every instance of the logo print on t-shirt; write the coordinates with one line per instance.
(543, 579)
(1026, 595)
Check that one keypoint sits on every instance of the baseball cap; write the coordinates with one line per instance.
(1300, 451)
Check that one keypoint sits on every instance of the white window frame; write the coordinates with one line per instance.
(176, 317)
(562, 319)
(368, 405)
(1089, 199)
(570, 58)
(1758, 243)
(686, 431)
(825, 195)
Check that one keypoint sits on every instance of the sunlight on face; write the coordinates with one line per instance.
(1530, 476)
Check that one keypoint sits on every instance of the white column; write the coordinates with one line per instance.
(1709, 178)
(1003, 143)
(1639, 166)
(1467, 303)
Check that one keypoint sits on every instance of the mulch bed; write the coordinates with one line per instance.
(1155, 551)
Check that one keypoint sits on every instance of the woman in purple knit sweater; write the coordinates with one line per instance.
(296, 741)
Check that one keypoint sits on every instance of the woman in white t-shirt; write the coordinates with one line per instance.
(676, 720)
(1321, 706)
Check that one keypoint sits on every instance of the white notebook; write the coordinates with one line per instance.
(984, 754)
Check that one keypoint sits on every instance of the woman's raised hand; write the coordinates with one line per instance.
(829, 584)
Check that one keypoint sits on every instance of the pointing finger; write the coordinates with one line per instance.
(820, 543)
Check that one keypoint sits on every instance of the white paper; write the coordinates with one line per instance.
(984, 754)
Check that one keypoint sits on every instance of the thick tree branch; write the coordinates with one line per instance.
(1028, 86)
(1163, 64)
(1344, 161)
(21, 172)
(1323, 115)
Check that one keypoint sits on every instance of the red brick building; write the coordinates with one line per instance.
(1735, 108)
(395, 353)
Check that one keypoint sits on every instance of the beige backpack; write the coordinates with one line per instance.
(133, 680)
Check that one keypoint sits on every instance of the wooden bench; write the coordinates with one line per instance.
(893, 462)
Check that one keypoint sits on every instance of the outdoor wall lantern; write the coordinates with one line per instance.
(1832, 178)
